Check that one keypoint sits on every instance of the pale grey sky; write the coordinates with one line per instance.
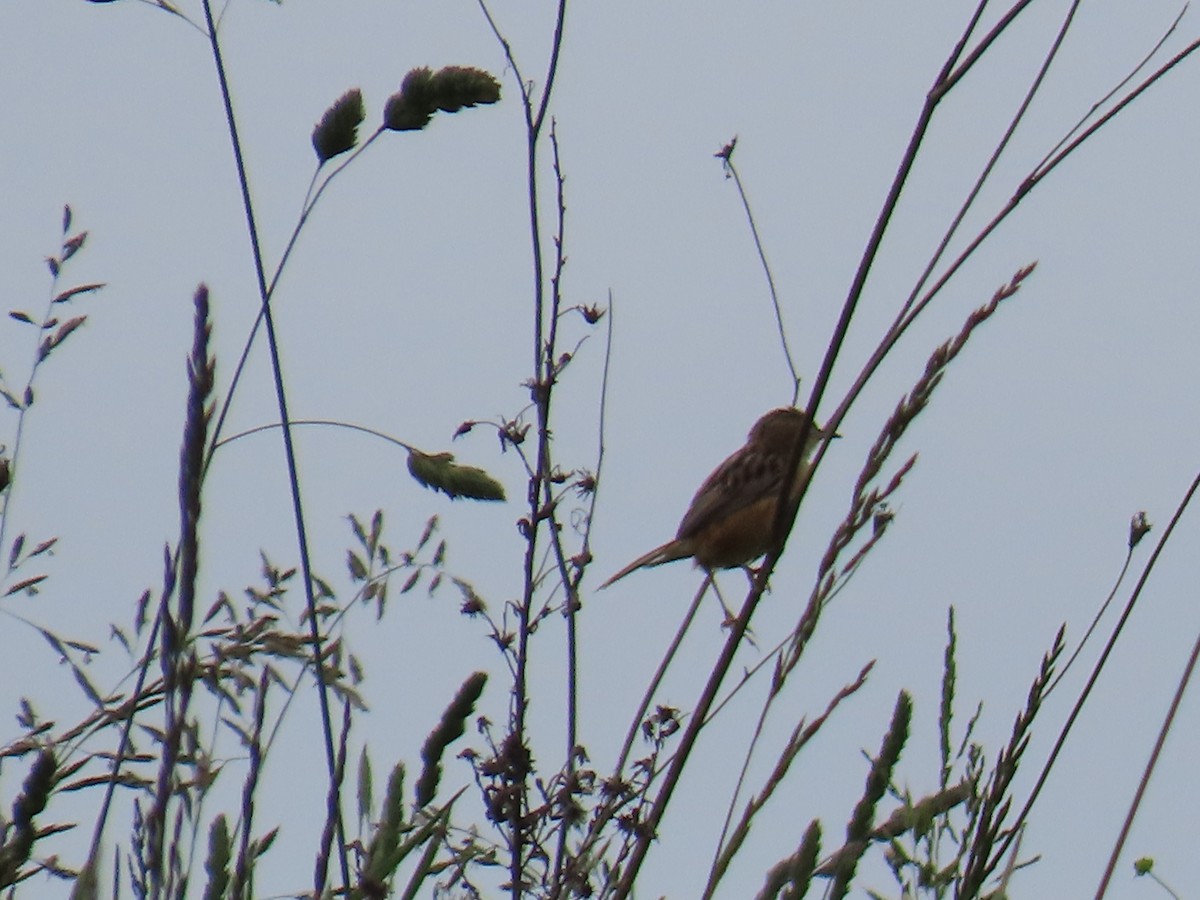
(406, 308)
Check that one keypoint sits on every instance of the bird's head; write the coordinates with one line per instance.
(781, 427)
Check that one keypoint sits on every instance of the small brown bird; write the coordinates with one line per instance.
(732, 517)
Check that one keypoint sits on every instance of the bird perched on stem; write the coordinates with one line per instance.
(731, 520)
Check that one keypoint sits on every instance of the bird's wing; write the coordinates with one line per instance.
(744, 478)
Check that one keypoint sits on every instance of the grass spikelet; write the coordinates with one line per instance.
(439, 472)
(337, 131)
(858, 831)
(448, 730)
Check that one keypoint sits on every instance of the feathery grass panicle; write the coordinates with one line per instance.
(50, 332)
(216, 865)
(366, 789)
(451, 727)
(201, 378)
(946, 709)
(243, 870)
(918, 398)
(865, 506)
(424, 92)
(990, 828)
(337, 132)
(920, 820)
(858, 831)
(394, 841)
(439, 472)
(385, 841)
(794, 874)
(178, 659)
(21, 832)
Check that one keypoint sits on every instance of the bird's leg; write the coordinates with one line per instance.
(730, 615)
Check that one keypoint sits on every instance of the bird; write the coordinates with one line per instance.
(731, 520)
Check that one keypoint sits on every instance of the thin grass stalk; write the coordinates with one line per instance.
(1038, 174)
(570, 585)
(1119, 86)
(1094, 624)
(15, 455)
(515, 836)
(585, 556)
(177, 880)
(674, 770)
(70, 245)
(1036, 177)
(656, 679)
(541, 468)
(990, 165)
(307, 208)
(125, 742)
(726, 156)
(244, 867)
(289, 449)
(328, 423)
(953, 74)
(542, 389)
(1184, 680)
(1034, 793)
(333, 801)
(616, 803)
(1011, 129)
(942, 86)
(551, 69)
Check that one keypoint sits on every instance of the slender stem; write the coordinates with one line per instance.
(990, 165)
(952, 74)
(329, 423)
(570, 586)
(306, 210)
(1151, 763)
(552, 68)
(288, 446)
(635, 723)
(1098, 668)
(1035, 178)
(1092, 627)
(542, 386)
(766, 267)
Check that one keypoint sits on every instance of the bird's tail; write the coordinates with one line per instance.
(668, 552)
